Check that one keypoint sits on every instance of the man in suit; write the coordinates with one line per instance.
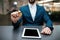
(32, 15)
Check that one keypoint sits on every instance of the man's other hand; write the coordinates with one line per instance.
(46, 30)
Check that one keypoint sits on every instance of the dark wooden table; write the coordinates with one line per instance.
(7, 33)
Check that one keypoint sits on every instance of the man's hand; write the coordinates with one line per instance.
(46, 30)
(15, 16)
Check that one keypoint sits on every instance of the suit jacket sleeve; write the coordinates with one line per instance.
(47, 19)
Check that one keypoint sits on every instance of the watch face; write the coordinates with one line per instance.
(31, 33)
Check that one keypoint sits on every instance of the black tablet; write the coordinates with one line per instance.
(31, 33)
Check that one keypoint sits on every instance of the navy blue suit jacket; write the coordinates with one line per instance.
(40, 18)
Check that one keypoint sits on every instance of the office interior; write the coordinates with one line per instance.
(52, 7)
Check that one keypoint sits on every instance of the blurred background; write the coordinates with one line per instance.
(52, 7)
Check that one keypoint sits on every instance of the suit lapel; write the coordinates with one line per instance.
(36, 13)
(29, 13)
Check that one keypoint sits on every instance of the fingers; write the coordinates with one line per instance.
(46, 31)
(14, 20)
(14, 17)
(16, 14)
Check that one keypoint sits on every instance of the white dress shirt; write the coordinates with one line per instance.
(32, 10)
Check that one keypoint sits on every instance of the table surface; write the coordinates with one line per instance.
(7, 33)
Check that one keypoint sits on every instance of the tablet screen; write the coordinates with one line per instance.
(31, 32)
